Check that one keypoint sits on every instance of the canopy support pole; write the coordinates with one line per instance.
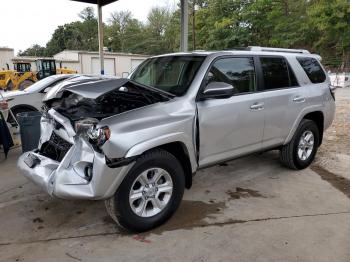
(100, 36)
(184, 26)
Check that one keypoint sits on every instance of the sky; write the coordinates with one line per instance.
(28, 22)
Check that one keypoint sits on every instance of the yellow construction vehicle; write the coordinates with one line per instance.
(47, 67)
(19, 78)
(22, 76)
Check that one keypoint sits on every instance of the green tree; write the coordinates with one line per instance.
(34, 50)
(124, 33)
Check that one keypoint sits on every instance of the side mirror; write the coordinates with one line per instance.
(217, 90)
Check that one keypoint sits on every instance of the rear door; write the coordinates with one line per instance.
(284, 99)
(232, 126)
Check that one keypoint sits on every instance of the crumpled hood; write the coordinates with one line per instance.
(85, 86)
(101, 97)
(93, 87)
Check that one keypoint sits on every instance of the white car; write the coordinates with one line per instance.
(30, 99)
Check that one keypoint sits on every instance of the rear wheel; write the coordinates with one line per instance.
(150, 193)
(301, 150)
(25, 84)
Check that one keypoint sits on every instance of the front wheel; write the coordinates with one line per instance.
(150, 193)
(301, 150)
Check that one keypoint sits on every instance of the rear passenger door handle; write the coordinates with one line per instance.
(299, 99)
(257, 106)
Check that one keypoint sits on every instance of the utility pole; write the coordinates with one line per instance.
(194, 25)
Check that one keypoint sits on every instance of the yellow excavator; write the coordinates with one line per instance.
(22, 76)
(19, 78)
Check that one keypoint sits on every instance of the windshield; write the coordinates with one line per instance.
(38, 86)
(173, 74)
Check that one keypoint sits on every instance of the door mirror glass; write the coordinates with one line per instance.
(217, 90)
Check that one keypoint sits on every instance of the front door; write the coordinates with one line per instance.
(232, 126)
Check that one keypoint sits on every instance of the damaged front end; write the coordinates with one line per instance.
(70, 162)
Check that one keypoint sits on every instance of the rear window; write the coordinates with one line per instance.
(313, 69)
(277, 73)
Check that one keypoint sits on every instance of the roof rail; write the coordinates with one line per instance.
(273, 49)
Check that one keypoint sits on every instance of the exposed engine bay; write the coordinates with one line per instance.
(122, 99)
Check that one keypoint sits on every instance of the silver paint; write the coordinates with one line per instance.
(228, 128)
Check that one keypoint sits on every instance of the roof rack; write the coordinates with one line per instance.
(272, 49)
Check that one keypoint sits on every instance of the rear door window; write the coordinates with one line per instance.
(313, 69)
(277, 73)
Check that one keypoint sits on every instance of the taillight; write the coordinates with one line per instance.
(4, 105)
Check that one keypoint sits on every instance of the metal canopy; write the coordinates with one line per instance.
(96, 2)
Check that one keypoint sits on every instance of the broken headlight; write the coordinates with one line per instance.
(87, 128)
(99, 135)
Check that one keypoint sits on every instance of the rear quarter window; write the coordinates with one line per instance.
(313, 69)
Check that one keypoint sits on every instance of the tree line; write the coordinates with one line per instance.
(321, 26)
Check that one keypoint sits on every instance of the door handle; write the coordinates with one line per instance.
(257, 106)
(299, 99)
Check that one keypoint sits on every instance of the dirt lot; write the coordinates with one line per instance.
(251, 209)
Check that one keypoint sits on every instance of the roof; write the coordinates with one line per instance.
(252, 50)
(29, 58)
(101, 2)
(6, 49)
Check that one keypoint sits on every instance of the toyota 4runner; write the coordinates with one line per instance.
(137, 142)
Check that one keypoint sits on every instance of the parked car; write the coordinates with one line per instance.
(136, 143)
(30, 99)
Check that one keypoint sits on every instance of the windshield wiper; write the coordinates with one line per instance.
(154, 89)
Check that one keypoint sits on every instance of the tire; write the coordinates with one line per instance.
(9, 86)
(123, 211)
(26, 83)
(291, 156)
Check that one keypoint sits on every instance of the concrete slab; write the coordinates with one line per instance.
(251, 209)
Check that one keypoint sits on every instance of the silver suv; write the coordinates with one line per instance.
(137, 142)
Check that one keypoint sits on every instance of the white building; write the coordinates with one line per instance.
(6, 56)
(116, 64)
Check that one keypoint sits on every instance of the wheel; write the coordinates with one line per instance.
(150, 193)
(301, 150)
(9, 86)
(23, 85)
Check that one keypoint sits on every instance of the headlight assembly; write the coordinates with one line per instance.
(87, 129)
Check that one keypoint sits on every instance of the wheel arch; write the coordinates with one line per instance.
(24, 106)
(178, 148)
(317, 116)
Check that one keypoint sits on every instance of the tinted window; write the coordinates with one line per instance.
(277, 73)
(173, 74)
(236, 71)
(313, 69)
